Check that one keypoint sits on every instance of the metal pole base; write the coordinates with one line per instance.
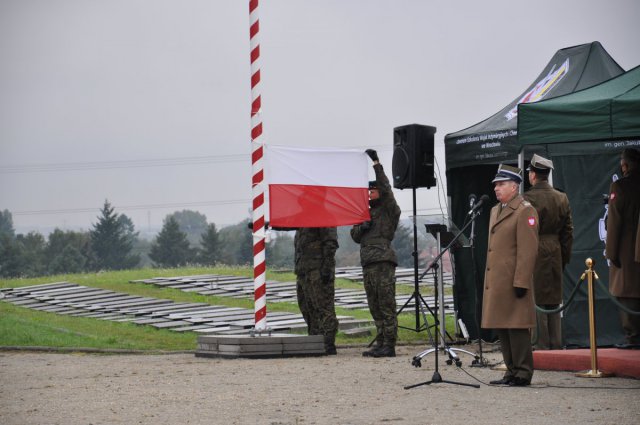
(253, 332)
(594, 374)
(480, 362)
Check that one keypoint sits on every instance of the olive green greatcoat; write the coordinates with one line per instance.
(511, 257)
(555, 236)
(622, 230)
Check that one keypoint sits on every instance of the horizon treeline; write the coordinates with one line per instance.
(186, 239)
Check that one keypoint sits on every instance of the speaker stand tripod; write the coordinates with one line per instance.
(439, 324)
(419, 303)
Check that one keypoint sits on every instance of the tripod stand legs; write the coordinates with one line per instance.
(436, 378)
(451, 353)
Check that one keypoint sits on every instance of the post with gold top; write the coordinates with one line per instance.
(594, 372)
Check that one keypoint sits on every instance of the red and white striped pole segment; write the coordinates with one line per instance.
(259, 258)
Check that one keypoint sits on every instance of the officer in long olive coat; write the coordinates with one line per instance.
(507, 304)
(622, 231)
(554, 249)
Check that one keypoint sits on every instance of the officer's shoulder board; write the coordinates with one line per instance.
(526, 204)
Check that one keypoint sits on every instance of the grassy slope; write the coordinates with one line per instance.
(25, 327)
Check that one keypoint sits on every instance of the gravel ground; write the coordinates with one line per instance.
(74, 389)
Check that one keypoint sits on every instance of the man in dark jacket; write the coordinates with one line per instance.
(379, 260)
(622, 231)
(315, 264)
(555, 238)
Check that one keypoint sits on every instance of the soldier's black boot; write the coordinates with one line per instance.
(372, 351)
(330, 346)
(377, 345)
(386, 351)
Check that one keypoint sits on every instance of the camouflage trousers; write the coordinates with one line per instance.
(316, 300)
(380, 285)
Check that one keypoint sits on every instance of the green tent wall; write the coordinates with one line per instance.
(472, 156)
(584, 133)
(608, 111)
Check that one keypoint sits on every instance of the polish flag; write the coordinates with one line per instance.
(312, 187)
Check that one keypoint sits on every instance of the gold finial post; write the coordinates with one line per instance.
(594, 372)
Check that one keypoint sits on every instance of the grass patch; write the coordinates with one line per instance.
(25, 327)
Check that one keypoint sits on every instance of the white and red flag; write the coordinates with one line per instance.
(313, 187)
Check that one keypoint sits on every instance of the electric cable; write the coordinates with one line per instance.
(118, 164)
(133, 207)
(439, 187)
(131, 163)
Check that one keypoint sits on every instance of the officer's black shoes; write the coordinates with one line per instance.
(330, 349)
(385, 352)
(519, 382)
(504, 381)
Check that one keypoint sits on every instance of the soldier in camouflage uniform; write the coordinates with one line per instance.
(379, 260)
(315, 250)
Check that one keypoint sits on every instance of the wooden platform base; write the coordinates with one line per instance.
(247, 346)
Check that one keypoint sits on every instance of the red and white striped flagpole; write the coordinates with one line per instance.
(259, 261)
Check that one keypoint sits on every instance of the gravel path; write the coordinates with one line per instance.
(80, 389)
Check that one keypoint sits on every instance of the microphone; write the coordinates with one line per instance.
(472, 200)
(477, 206)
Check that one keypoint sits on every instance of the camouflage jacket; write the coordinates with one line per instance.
(315, 249)
(375, 242)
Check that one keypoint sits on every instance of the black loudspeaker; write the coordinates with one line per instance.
(413, 156)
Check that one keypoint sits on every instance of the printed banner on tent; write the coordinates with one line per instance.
(313, 187)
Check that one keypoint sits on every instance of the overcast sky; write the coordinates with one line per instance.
(146, 103)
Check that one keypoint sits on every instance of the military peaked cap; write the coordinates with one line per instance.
(540, 164)
(506, 172)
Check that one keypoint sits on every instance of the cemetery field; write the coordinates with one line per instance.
(24, 327)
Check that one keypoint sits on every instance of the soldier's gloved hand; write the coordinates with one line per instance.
(520, 292)
(616, 263)
(372, 154)
(365, 225)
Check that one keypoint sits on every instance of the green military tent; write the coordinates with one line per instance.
(472, 156)
(584, 133)
(605, 112)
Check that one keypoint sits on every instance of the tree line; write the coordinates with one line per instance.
(186, 238)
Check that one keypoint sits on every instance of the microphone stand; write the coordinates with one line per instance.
(479, 361)
(437, 378)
